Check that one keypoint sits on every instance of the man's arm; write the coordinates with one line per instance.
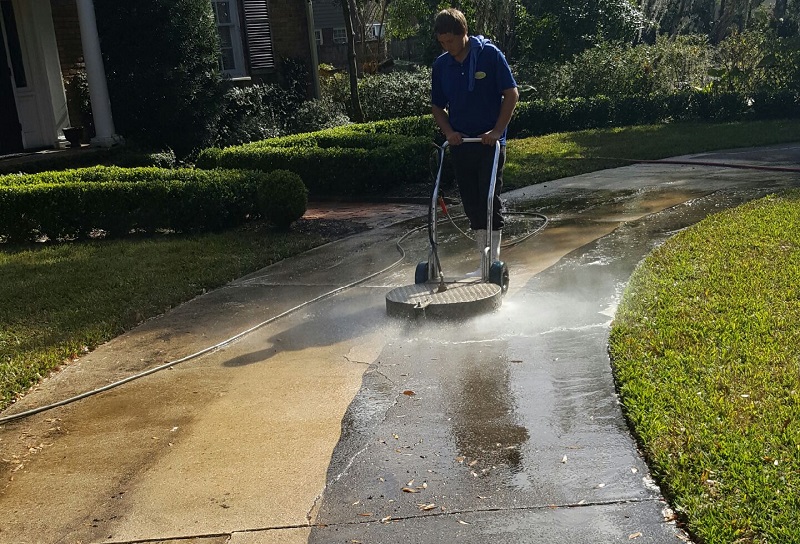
(443, 121)
(510, 99)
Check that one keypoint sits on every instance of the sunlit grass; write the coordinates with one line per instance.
(554, 156)
(60, 300)
(705, 352)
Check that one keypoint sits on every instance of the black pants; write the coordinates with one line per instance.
(472, 164)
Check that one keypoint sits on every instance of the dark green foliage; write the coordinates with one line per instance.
(161, 60)
(539, 117)
(282, 197)
(314, 115)
(253, 113)
(129, 156)
(350, 160)
(71, 204)
(398, 94)
(384, 96)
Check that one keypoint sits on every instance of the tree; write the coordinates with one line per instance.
(352, 65)
(162, 62)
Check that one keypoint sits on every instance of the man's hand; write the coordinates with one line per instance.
(491, 137)
(455, 138)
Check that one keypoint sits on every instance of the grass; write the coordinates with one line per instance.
(62, 300)
(535, 160)
(705, 353)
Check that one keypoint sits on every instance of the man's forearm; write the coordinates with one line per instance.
(442, 120)
(510, 99)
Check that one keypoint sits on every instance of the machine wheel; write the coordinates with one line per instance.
(421, 274)
(498, 274)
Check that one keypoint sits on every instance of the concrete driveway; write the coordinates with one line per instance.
(335, 423)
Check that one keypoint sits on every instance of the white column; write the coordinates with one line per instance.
(96, 76)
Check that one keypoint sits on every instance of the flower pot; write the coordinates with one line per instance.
(73, 135)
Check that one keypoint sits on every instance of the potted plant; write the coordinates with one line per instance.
(73, 135)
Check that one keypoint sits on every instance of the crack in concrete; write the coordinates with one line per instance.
(453, 513)
(496, 509)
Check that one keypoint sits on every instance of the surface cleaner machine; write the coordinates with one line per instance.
(432, 295)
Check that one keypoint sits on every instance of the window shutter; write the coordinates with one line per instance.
(259, 36)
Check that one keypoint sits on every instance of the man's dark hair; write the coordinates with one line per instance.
(450, 21)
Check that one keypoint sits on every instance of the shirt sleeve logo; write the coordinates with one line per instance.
(480, 75)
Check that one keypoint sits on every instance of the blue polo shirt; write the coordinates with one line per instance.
(472, 91)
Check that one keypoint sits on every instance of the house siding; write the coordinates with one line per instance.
(326, 15)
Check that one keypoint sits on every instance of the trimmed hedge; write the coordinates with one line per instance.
(72, 204)
(369, 158)
(351, 160)
(539, 117)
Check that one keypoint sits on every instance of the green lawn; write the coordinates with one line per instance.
(534, 160)
(704, 348)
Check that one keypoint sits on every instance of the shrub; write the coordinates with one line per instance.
(397, 94)
(161, 60)
(252, 113)
(349, 160)
(314, 115)
(383, 96)
(72, 204)
(282, 197)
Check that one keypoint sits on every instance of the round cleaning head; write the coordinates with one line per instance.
(460, 300)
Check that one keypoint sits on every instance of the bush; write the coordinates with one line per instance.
(253, 113)
(397, 94)
(72, 204)
(383, 96)
(128, 155)
(314, 115)
(161, 60)
(350, 160)
(282, 197)
(561, 115)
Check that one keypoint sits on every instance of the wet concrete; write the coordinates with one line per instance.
(502, 428)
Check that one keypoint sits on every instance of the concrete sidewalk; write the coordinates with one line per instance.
(288, 433)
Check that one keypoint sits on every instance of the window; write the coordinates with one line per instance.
(374, 31)
(231, 59)
(339, 35)
(318, 36)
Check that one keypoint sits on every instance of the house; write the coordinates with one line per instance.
(45, 43)
(331, 35)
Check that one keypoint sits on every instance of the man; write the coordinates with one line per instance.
(473, 95)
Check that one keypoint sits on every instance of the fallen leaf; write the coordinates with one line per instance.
(473, 463)
(462, 522)
(409, 392)
(395, 436)
(366, 514)
(425, 507)
(410, 490)
(634, 536)
(410, 483)
(387, 519)
(460, 459)
(564, 459)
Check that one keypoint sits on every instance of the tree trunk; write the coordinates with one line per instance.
(352, 65)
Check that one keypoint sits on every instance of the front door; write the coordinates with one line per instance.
(10, 129)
